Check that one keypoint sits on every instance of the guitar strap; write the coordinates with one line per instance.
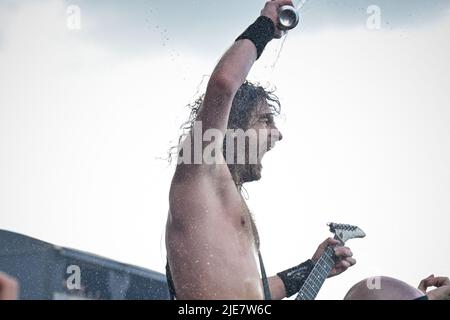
(265, 281)
(170, 284)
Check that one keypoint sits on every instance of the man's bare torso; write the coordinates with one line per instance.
(209, 238)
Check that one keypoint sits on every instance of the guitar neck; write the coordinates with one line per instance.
(317, 277)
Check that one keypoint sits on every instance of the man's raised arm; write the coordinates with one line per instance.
(232, 70)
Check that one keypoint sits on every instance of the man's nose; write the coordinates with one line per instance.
(277, 133)
(280, 135)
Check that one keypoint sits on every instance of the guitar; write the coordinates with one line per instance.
(323, 266)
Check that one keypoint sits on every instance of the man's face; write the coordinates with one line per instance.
(262, 122)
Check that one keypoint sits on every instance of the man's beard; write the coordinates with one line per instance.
(247, 172)
(243, 173)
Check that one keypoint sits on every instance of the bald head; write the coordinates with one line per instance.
(382, 288)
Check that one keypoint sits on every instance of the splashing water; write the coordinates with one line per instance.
(272, 67)
(298, 6)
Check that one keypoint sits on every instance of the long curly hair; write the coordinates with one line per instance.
(247, 98)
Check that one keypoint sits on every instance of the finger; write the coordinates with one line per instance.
(422, 286)
(343, 264)
(333, 273)
(330, 242)
(447, 292)
(280, 3)
(324, 244)
(343, 252)
(351, 261)
(445, 281)
(427, 279)
(438, 281)
(431, 276)
(284, 3)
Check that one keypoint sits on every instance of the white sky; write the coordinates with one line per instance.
(366, 125)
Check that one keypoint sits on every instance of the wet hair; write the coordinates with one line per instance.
(245, 102)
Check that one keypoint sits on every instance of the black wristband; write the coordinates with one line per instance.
(295, 277)
(261, 32)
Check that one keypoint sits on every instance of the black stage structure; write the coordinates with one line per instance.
(50, 272)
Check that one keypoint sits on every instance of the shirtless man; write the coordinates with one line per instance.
(393, 289)
(211, 239)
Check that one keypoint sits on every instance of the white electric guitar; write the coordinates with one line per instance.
(322, 268)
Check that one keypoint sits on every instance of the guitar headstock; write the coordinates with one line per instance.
(344, 232)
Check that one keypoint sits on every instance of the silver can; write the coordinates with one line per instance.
(288, 17)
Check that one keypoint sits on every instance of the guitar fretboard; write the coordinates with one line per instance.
(317, 277)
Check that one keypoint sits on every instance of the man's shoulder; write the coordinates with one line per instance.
(196, 175)
(202, 187)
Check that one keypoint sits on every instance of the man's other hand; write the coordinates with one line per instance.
(343, 256)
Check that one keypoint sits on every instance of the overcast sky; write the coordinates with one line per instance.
(86, 115)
